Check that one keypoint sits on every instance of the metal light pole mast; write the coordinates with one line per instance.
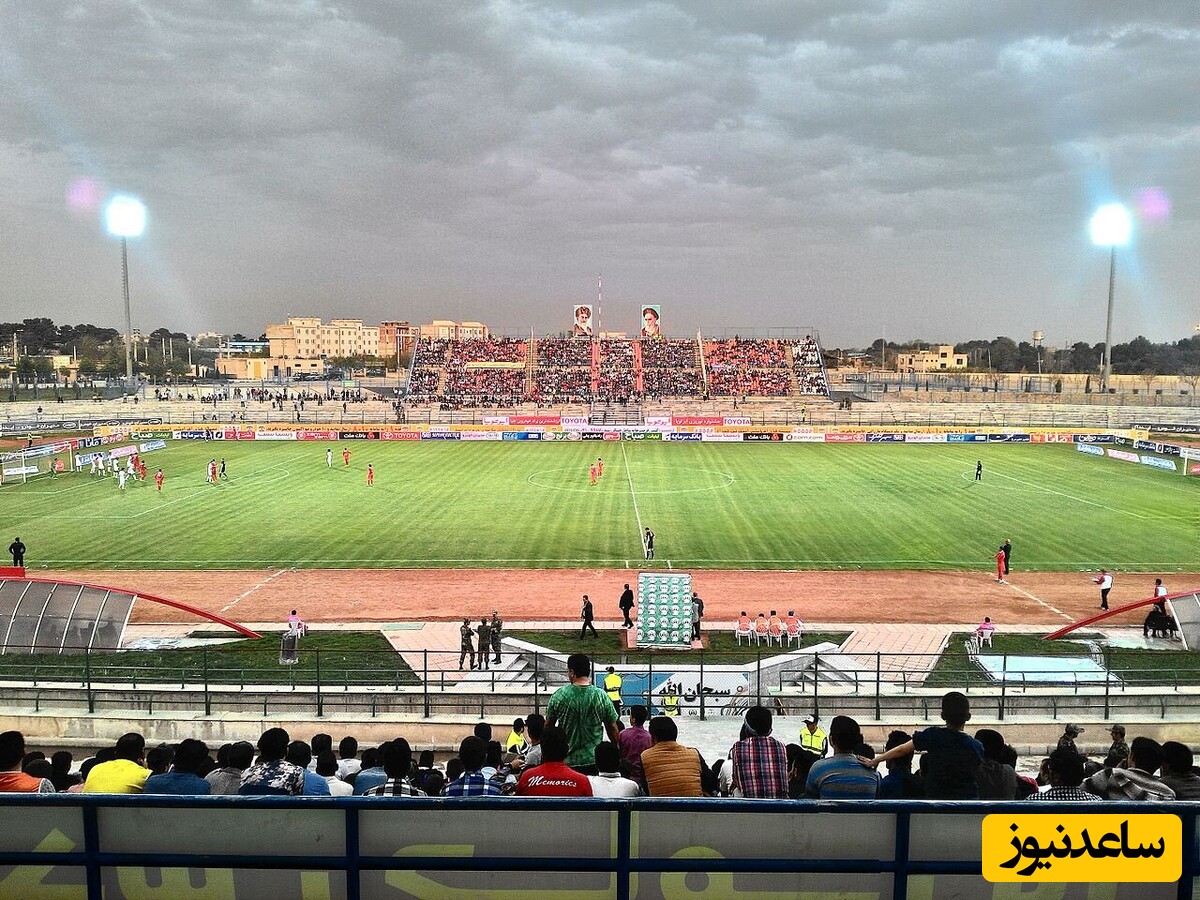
(128, 316)
(1112, 278)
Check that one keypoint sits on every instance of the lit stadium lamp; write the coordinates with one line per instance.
(125, 217)
(1110, 227)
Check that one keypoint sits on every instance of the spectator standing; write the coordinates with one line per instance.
(1007, 548)
(183, 778)
(1136, 781)
(1066, 775)
(1067, 741)
(1118, 751)
(17, 549)
(1177, 771)
(485, 637)
(465, 644)
(697, 615)
(842, 776)
(608, 782)
(272, 774)
(12, 779)
(495, 632)
(227, 777)
(397, 763)
(584, 712)
(760, 765)
(812, 735)
(671, 769)
(587, 614)
(612, 688)
(952, 757)
(473, 783)
(635, 739)
(553, 778)
(125, 773)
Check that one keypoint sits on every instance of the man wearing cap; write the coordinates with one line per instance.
(813, 737)
(496, 627)
(1067, 741)
(1119, 751)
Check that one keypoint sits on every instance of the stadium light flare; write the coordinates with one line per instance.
(125, 217)
(1110, 227)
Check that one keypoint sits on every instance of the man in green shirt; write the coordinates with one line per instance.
(584, 712)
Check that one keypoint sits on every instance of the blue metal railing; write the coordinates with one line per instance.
(104, 844)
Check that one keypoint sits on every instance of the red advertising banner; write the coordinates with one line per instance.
(697, 420)
(837, 437)
(1194, 470)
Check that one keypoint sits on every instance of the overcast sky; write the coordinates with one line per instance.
(924, 168)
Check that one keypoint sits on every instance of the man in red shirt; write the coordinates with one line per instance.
(14, 781)
(346, 455)
(553, 778)
(1000, 565)
(158, 480)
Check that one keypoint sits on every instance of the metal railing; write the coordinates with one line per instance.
(692, 683)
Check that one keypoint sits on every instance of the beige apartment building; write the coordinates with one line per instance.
(941, 358)
(443, 329)
(306, 337)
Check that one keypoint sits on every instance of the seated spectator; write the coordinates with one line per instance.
(760, 769)
(348, 761)
(800, 761)
(227, 777)
(39, 768)
(321, 743)
(124, 774)
(1178, 772)
(1118, 752)
(60, 771)
(984, 630)
(326, 767)
(1137, 782)
(397, 763)
(483, 731)
(429, 780)
(300, 754)
(997, 780)
(900, 783)
(842, 776)
(272, 774)
(1065, 771)
(952, 758)
(671, 769)
(515, 743)
(635, 739)
(494, 768)
(472, 783)
(554, 778)
(608, 781)
(190, 756)
(12, 779)
(535, 724)
(454, 771)
(372, 773)
(159, 759)
(105, 754)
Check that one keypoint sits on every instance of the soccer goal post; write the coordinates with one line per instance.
(18, 466)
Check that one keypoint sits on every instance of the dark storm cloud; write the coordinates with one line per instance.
(926, 167)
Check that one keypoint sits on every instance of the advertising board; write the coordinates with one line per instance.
(1088, 448)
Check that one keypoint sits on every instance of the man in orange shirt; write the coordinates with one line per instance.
(158, 479)
(12, 779)
(1000, 565)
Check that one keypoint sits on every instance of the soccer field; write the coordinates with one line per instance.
(504, 505)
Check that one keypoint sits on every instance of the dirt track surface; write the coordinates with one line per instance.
(406, 595)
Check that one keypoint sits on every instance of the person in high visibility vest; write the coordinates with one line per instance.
(612, 687)
(670, 700)
(813, 737)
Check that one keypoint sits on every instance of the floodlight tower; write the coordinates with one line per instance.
(1110, 227)
(125, 217)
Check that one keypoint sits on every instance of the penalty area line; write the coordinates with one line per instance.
(242, 596)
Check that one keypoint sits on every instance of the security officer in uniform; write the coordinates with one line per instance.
(670, 701)
(813, 737)
(612, 687)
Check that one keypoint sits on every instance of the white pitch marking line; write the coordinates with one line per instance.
(629, 475)
(1039, 600)
(242, 596)
(1071, 496)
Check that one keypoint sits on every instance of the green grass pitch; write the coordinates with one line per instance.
(499, 505)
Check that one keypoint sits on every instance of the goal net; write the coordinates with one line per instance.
(51, 460)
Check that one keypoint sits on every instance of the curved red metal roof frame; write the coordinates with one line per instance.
(174, 604)
(1108, 613)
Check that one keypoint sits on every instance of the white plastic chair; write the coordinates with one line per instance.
(747, 632)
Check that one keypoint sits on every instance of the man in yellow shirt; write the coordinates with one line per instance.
(125, 774)
(813, 737)
(612, 687)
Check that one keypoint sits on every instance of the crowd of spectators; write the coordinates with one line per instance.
(616, 385)
(501, 387)
(812, 383)
(669, 354)
(580, 748)
(726, 381)
(564, 352)
(667, 382)
(746, 354)
(562, 384)
(493, 349)
(617, 354)
(806, 354)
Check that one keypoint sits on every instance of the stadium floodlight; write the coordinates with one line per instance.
(1110, 227)
(125, 217)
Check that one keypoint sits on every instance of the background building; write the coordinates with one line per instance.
(938, 359)
(306, 337)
